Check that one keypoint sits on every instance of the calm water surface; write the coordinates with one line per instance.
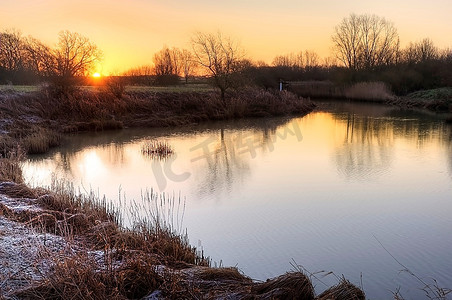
(341, 190)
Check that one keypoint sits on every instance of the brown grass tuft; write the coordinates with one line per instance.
(157, 149)
(138, 276)
(10, 166)
(100, 225)
(292, 285)
(40, 140)
(343, 291)
(18, 191)
(8, 145)
(74, 277)
(173, 247)
(222, 274)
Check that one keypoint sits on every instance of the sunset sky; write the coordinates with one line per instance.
(129, 32)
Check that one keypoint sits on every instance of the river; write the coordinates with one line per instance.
(355, 189)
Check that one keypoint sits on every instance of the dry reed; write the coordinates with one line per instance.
(131, 257)
(293, 285)
(74, 277)
(40, 141)
(344, 290)
(361, 91)
(157, 149)
(10, 166)
(373, 91)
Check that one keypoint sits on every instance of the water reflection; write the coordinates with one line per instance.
(224, 164)
(366, 150)
(314, 189)
(368, 134)
(449, 147)
(220, 154)
(227, 153)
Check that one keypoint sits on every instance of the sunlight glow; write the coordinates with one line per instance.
(96, 75)
(91, 165)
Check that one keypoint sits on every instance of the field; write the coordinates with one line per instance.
(182, 88)
(19, 88)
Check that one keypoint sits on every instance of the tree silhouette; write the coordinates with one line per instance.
(11, 50)
(168, 65)
(40, 58)
(75, 55)
(365, 41)
(422, 51)
(219, 55)
(188, 63)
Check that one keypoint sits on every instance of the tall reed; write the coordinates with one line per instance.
(157, 149)
(375, 91)
(10, 166)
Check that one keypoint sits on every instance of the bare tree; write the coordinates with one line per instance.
(168, 65)
(145, 70)
(410, 54)
(188, 63)
(426, 50)
(163, 63)
(311, 59)
(365, 41)
(220, 56)
(281, 61)
(11, 50)
(177, 60)
(329, 62)
(39, 58)
(25, 59)
(75, 55)
(346, 41)
(140, 75)
(421, 51)
(289, 60)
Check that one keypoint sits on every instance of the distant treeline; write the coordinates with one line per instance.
(402, 77)
(366, 49)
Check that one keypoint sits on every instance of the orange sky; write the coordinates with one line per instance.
(130, 31)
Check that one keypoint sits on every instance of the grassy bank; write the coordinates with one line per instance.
(36, 120)
(437, 100)
(79, 250)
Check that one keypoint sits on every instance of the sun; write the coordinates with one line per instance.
(97, 75)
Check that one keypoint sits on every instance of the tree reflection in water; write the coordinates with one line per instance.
(449, 155)
(366, 148)
(228, 155)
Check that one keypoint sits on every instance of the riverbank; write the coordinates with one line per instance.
(56, 244)
(437, 100)
(59, 244)
(36, 121)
